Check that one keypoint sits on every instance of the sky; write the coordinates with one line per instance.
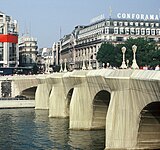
(48, 20)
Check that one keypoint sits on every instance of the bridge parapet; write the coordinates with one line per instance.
(146, 81)
(131, 91)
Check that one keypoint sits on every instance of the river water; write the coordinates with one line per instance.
(29, 129)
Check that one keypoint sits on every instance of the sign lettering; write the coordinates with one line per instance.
(137, 16)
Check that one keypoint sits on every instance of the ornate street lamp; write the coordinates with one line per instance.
(65, 65)
(123, 66)
(61, 69)
(134, 64)
(103, 65)
(107, 65)
(83, 61)
(127, 63)
(89, 63)
(97, 64)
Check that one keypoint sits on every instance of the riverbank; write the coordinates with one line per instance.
(17, 104)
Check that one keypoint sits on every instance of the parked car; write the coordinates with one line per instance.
(21, 97)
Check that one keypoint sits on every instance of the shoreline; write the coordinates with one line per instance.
(5, 104)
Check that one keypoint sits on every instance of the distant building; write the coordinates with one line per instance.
(56, 53)
(8, 41)
(27, 51)
(45, 59)
(85, 41)
(45, 52)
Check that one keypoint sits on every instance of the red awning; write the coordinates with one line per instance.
(8, 38)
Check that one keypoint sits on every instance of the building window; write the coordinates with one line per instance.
(121, 24)
(136, 24)
(127, 31)
(111, 31)
(107, 30)
(1, 29)
(31, 59)
(108, 23)
(158, 31)
(148, 31)
(115, 23)
(116, 30)
(131, 23)
(132, 31)
(153, 32)
(137, 31)
(121, 30)
(119, 39)
(142, 31)
(157, 24)
(12, 52)
(1, 51)
(152, 25)
(126, 23)
(147, 24)
(142, 24)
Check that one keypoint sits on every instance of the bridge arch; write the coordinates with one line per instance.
(29, 92)
(100, 107)
(149, 127)
(68, 99)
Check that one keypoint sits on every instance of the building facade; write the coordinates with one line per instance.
(84, 42)
(46, 59)
(9, 56)
(27, 51)
(56, 53)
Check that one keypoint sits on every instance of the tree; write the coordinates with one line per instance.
(106, 54)
(156, 57)
(147, 51)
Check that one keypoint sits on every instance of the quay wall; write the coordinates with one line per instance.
(17, 104)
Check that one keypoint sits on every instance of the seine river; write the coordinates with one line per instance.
(29, 129)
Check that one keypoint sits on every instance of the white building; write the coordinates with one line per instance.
(46, 56)
(85, 41)
(27, 51)
(8, 41)
(56, 53)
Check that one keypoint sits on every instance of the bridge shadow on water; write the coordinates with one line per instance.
(87, 140)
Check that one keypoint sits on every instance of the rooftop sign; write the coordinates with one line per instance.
(98, 18)
(137, 16)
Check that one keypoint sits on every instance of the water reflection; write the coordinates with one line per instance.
(87, 140)
(34, 130)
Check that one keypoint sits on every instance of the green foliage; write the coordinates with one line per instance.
(106, 54)
(144, 53)
(147, 52)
